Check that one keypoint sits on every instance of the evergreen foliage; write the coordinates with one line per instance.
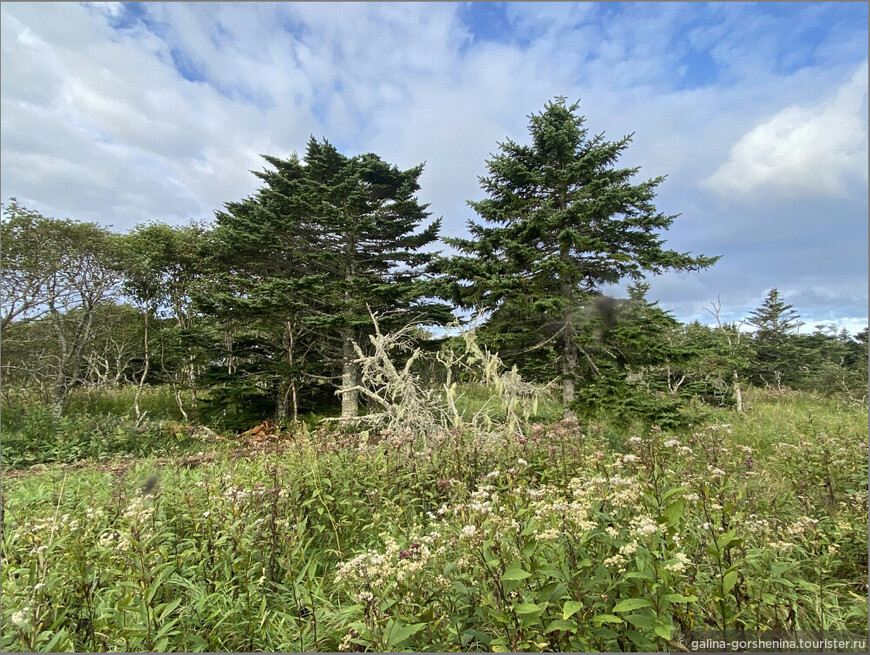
(776, 359)
(301, 262)
(560, 222)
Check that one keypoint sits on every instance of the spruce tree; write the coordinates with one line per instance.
(324, 240)
(776, 359)
(561, 220)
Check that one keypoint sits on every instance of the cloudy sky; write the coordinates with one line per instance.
(124, 113)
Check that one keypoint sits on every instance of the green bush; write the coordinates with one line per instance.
(33, 435)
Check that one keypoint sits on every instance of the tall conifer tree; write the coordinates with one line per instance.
(325, 239)
(560, 221)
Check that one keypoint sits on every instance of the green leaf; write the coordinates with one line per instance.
(663, 631)
(670, 492)
(672, 514)
(515, 573)
(678, 598)
(470, 635)
(528, 608)
(570, 608)
(630, 604)
(560, 624)
(641, 621)
(605, 618)
(401, 633)
(729, 581)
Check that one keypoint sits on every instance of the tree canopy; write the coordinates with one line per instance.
(561, 220)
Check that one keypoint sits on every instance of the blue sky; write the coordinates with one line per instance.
(757, 113)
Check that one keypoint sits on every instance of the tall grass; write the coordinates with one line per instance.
(571, 537)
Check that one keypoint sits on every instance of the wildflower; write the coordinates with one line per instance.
(468, 532)
(616, 560)
(671, 443)
(646, 526)
(346, 641)
(628, 549)
(613, 533)
(679, 566)
(522, 462)
(20, 618)
(631, 459)
(548, 535)
(635, 440)
(93, 514)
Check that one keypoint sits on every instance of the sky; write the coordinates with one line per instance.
(123, 113)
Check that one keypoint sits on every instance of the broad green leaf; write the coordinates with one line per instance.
(399, 634)
(515, 573)
(528, 608)
(570, 608)
(606, 618)
(729, 581)
(560, 624)
(672, 514)
(641, 621)
(630, 604)
(663, 631)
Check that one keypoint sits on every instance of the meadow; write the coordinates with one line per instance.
(567, 536)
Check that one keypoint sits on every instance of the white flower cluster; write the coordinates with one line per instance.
(550, 534)
(679, 564)
(803, 524)
(21, 618)
(468, 532)
(646, 526)
(628, 549)
(616, 562)
(381, 570)
(138, 511)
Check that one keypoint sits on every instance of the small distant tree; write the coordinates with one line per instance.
(776, 357)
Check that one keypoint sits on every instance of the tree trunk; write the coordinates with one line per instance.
(569, 371)
(145, 369)
(349, 375)
(58, 397)
(349, 369)
(738, 393)
(569, 344)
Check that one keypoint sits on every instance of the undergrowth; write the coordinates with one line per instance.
(570, 536)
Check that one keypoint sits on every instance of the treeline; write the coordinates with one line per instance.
(257, 314)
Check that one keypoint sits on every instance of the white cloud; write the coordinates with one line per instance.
(804, 150)
(98, 124)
